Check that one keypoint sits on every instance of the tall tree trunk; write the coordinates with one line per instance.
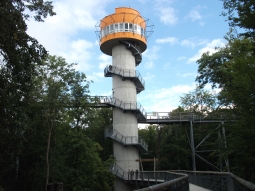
(50, 123)
(47, 159)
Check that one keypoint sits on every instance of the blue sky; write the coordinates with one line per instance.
(183, 31)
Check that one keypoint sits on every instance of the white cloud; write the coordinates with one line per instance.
(193, 42)
(71, 17)
(148, 77)
(201, 23)
(104, 61)
(188, 74)
(149, 64)
(171, 40)
(79, 52)
(210, 47)
(194, 15)
(166, 13)
(166, 66)
(150, 56)
(95, 76)
(143, 1)
(163, 2)
(59, 34)
(182, 58)
(79, 15)
(164, 99)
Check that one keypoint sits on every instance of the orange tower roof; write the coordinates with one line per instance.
(125, 24)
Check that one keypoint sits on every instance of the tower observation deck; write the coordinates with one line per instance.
(123, 35)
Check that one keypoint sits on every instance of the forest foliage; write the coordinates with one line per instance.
(50, 133)
(230, 70)
(44, 111)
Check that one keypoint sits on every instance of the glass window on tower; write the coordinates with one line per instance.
(126, 26)
(104, 31)
(116, 27)
(130, 27)
(138, 29)
(101, 34)
(135, 28)
(121, 26)
(107, 30)
(111, 27)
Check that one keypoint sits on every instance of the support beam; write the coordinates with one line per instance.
(225, 144)
(193, 154)
(146, 160)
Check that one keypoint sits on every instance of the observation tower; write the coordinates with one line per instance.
(123, 35)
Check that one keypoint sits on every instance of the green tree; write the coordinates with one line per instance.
(241, 14)
(79, 166)
(71, 156)
(150, 136)
(199, 100)
(175, 150)
(53, 143)
(18, 53)
(231, 69)
(101, 119)
(61, 87)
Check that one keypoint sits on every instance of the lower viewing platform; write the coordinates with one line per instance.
(183, 180)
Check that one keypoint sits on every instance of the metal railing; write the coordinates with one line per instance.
(195, 116)
(180, 179)
(162, 117)
(118, 171)
(153, 180)
(132, 46)
(218, 181)
(128, 140)
(124, 73)
(176, 183)
(126, 106)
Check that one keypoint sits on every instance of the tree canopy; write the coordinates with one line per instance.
(48, 140)
(241, 14)
(232, 69)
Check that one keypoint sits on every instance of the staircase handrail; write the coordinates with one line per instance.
(124, 72)
(126, 105)
(118, 171)
(114, 134)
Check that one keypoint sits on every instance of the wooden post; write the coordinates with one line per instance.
(141, 163)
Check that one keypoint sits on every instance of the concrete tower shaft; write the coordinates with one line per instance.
(123, 36)
(124, 123)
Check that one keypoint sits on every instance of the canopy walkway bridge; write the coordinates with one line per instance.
(183, 180)
(161, 117)
(170, 180)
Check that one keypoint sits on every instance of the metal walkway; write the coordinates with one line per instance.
(193, 187)
(223, 181)
(126, 141)
(136, 108)
(183, 180)
(133, 75)
(161, 117)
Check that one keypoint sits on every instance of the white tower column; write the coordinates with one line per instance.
(123, 35)
(125, 123)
